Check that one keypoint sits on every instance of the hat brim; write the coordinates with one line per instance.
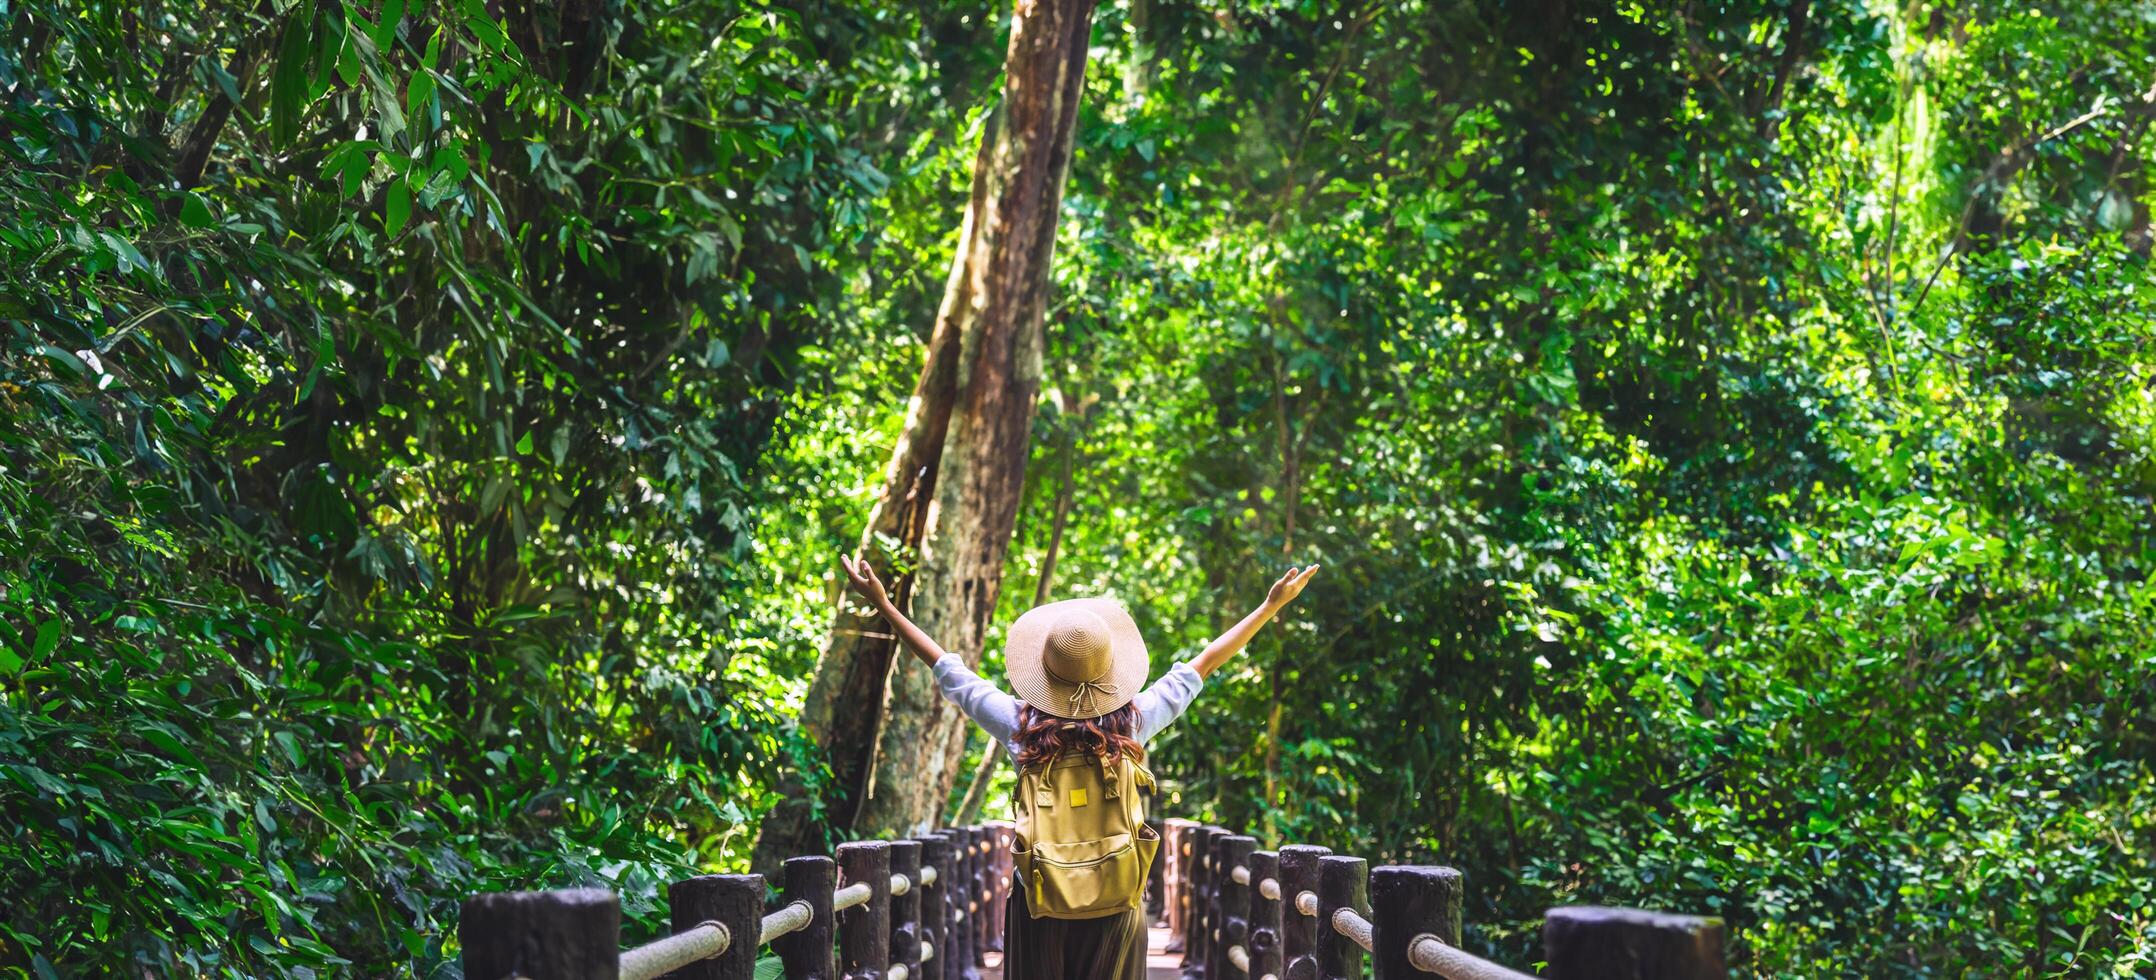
(1027, 641)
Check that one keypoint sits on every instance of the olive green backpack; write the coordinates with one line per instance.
(1083, 849)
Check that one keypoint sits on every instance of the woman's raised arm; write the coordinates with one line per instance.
(864, 581)
(1238, 636)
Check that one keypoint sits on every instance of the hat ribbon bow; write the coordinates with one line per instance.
(1084, 695)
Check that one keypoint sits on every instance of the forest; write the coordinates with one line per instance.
(429, 428)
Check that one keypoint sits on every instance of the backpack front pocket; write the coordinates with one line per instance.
(1087, 879)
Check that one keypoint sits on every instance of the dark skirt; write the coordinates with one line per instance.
(1111, 947)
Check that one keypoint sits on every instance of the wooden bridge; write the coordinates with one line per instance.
(932, 908)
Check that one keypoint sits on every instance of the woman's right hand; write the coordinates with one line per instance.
(1289, 586)
(864, 581)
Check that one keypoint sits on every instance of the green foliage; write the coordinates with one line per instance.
(1726, 429)
(386, 392)
(1728, 442)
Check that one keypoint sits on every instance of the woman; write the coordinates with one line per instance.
(1076, 666)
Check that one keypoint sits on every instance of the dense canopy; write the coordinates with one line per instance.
(427, 428)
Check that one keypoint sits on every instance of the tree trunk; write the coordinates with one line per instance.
(969, 809)
(951, 493)
(1065, 493)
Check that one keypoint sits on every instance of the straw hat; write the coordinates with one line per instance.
(1079, 658)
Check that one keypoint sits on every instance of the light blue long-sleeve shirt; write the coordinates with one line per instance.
(997, 712)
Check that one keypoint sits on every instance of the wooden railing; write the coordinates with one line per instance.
(932, 908)
(1239, 913)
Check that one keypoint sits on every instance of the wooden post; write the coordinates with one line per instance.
(1000, 835)
(1343, 883)
(1178, 853)
(1264, 942)
(733, 901)
(1219, 884)
(1628, 944)
(954, 906)
(954, 903)
(1215, 955)
(976, 910)
(1231, 900)
(935, 918)
(1216, 881)
(1298, 932)
(807, 952)
(906, 909)
(552, 935)
(1194, 944)
(1156, 878)
(864, 931)
(1407, 900)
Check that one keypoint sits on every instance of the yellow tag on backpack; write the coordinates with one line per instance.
(1083, 849)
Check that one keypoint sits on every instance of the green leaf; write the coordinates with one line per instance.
(397, 208)
(348, 69)
(385, 33)
(290, 743)
(288, 85)
(488, 32)
(330, 40)
(356, 168)
(64, 361)
(418, 93)
(130, 258)
(524, 443)
(195, 212)
(160, 737)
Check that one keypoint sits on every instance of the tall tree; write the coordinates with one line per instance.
(950, 495)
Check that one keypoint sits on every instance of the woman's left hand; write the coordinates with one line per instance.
(1289, 586)
(864, 581)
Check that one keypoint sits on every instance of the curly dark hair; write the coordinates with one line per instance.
(1041, 737)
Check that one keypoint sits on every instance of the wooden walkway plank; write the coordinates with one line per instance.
(1159, 964)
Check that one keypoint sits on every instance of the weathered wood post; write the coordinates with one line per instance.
(976, 910)
(934, 917)
(1264, 942)
(1000, 835)
(1299, 932)
(864, 931)
(1156, 877)
(1407, 900)
(1343, 883)
(1209, 892)
(550, 935)
(954, 903)
(1175, 894)
(1232, 900)
(953, 950)
(1194, 944)
(733, 901)
(1584, 941)
(1180, 833)
(807, 951)
(906, 908)
(1217, 884)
